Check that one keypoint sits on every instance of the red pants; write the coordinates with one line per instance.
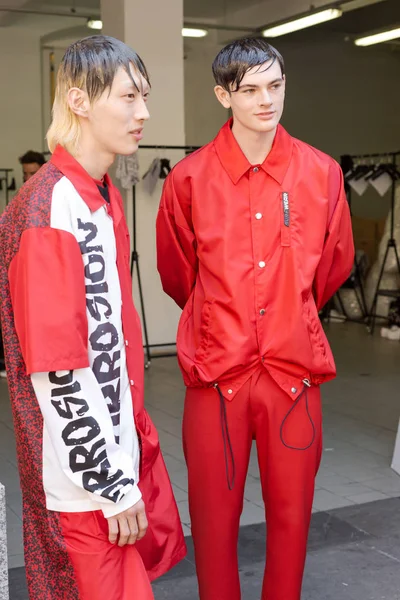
(103, 570)
(287, 479)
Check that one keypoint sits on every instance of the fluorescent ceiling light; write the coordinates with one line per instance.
(95, 24)
(378, 38)
(195, 33)
(186, 31)
(303, 22)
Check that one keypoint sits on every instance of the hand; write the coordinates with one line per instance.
(130, 525)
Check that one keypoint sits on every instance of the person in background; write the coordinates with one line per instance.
(31, 162)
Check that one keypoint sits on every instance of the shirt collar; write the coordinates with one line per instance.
(80, 179)
(236, 164)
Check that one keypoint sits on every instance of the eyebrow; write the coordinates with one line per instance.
(252, 86)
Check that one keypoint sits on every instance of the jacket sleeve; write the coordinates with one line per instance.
(337, 257)
(47, 286)
(176, 242)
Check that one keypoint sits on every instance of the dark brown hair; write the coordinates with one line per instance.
(32, 157)
(232, 62)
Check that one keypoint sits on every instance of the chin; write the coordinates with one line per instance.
(128, 149)
(267, 127)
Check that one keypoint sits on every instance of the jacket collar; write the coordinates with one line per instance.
(81, 180)
(236, 164)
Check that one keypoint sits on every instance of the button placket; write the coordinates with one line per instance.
(257, 208)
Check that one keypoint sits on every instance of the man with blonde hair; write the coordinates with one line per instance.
(91, 470)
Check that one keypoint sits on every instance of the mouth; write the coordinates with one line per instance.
(137, 134)
(266, 115)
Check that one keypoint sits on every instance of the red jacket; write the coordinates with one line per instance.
(251, 253)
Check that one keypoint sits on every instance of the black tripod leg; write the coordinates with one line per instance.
(135, 259)
(363, 303)
(146, 336)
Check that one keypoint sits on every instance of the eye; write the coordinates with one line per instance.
(130, 96)
(249, 91)
(146, 96)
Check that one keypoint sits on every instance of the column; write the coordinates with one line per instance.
(154, 30)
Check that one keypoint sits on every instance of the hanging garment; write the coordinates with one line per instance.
(128, 171)
(150, 178)
(357, 179)
(74, 358)
(382, 183)
(165, 168)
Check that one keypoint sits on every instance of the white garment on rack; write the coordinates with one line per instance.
(359, 185)
(128, 171)
(382, 184)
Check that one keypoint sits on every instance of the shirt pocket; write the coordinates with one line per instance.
(314, 327)
(205, 331)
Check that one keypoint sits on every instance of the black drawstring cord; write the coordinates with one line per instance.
(306, 385)
(227, 440)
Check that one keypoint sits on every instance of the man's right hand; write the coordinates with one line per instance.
(128, 526)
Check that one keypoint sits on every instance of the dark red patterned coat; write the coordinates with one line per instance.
(49, 571)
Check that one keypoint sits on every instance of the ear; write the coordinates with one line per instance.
(223, 96)
(78, 102)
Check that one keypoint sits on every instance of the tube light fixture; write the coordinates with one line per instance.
(186, 31)
(95, 24)
(303, 22)
(378, 38)
(194, 33)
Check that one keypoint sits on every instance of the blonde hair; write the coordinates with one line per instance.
(90, 65)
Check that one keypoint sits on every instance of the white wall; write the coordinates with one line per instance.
(20, 98)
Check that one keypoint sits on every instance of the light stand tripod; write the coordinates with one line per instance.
(391, 244)
(355, 283)
(135, 261)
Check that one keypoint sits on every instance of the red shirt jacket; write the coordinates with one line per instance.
(251, 253)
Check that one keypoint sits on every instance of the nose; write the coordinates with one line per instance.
(142, 112)
(265, 98)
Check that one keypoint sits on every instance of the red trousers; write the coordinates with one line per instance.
(287, 475)
(103, 570)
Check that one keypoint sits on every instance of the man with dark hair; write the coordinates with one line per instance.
(254, 236)
(31, 162)
(92, 476)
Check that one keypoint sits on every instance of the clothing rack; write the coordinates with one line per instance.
(391, 243)
(9, 184)
(135, 261)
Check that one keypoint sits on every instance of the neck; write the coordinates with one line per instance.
(255, 145)
(95, 162)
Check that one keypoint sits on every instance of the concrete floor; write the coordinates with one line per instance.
(361, 413)
(354, 554)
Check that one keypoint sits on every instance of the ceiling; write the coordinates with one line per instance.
(371, 14)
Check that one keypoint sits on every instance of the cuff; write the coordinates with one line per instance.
(127, 501)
